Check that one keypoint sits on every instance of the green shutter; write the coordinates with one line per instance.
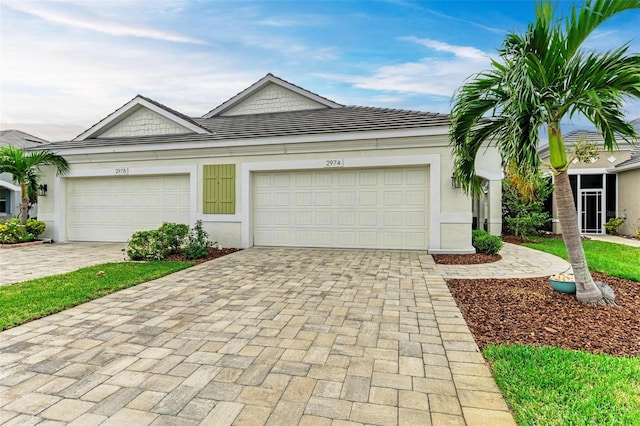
(219, 189)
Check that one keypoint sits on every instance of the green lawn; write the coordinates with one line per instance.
(37, 298)
(551, 386)
(612, 259)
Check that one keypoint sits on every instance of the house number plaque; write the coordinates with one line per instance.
(122, 171)
(333, 163)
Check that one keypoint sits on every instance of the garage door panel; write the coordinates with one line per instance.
(113, 208)
(369, 208)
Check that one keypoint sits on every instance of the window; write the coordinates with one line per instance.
(219, 189)
(5, 195)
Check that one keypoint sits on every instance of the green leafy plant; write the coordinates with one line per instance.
(486, 243)
(147, 245)
(525, 215)
(198, 242)
(12, 231)
(613, 224)
(35, 227)
(174, 235)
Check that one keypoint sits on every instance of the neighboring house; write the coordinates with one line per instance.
(604, 188)
(275, 165)
(10, 197)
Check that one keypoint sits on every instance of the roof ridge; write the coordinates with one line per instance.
(270, 78)
(169, 109)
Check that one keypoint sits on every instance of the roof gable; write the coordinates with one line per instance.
(142, 116)
(271, 94)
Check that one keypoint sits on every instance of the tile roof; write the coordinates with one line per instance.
(635, 159)
(170, 110)
(593, 136)
(295, 123)
(19, 139)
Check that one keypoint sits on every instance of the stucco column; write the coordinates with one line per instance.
(495, 207)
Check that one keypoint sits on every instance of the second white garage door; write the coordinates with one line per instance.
(360, 208)
(113, 208)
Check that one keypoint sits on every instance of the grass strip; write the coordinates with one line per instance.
(612, 259)
(37, 298)
(552, 386)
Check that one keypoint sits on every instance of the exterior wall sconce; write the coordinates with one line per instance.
(42, 190)
(454, 183)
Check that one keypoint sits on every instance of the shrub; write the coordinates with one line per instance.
(485, 242)
(613, 224)
(524, 216)
(147, 245)
(13, 231)
(174, 235)
(35, 227)
(198, 242)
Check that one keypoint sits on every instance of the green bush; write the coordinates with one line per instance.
(35, 227)
(198, 242)
(13, 231)
(174, 235)
(485, 242)
(147, 245)
(613, 224)
(524, 216)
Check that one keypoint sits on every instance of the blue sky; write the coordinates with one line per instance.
(66, 64)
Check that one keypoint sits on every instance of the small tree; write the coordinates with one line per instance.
(524, 214)
(24, 167)
(542, 77)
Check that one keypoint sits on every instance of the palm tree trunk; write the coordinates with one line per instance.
(586, 289)
(24, 208)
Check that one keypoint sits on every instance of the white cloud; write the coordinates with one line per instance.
(468, 52)
(437, 76)
(92, 24)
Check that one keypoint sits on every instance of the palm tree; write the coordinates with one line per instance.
(25, 169)
(542, 77)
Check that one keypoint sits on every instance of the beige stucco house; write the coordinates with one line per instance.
(275, 165)
(605, 188)
(10, 193)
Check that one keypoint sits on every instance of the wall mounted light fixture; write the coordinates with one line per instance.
(454, 183)
(42, 190)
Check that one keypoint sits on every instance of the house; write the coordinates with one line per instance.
(275, 165)
(10, 194)
(606, 187)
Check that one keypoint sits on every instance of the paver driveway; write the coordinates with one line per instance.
(26, 263)
(275, 336)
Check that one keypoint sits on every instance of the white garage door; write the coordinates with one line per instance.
(362, 208)
(113, 208)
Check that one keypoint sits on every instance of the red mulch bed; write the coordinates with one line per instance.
(528, 311)
(214, 253)
(465, 259)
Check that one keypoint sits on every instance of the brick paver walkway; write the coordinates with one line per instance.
(263, 336)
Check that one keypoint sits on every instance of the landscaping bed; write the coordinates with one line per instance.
(465, 259)
(213, 253)
(528, 311)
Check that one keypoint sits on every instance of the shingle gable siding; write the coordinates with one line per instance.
(273, 98)
(144, 122)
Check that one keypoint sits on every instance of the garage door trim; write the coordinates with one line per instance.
(433, 161)
(60, 188)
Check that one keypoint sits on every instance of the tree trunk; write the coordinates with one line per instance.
(24, 208)
(586, 289)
